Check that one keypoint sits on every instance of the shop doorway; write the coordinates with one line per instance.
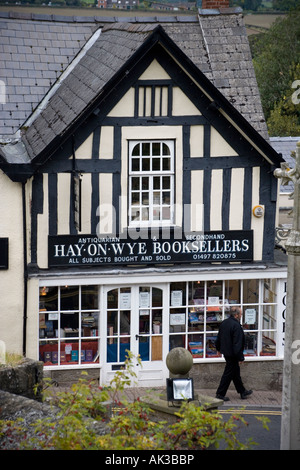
(136, 322)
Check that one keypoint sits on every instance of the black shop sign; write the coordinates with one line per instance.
(194, 247)
(3, 253)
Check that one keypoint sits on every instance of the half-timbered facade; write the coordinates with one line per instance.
(148, 204)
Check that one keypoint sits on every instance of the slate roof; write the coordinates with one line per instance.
(34, 50)
(215, 41)
(115, 46)
(285, 146)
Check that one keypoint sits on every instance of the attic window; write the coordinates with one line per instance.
(151, 183)
(153, 98)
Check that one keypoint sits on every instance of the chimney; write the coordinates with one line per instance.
(213, 4)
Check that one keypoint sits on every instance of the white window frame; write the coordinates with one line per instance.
(151, 174)
(209, 328)
(78, 336)
(159, 280)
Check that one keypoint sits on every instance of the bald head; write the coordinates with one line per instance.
(236, 312)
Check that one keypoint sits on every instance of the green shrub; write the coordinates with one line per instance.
(125, 424)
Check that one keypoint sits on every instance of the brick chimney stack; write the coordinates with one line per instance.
(212, 4)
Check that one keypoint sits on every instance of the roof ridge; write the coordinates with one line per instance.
(14, 15)
(11, 14)
(129, 27)
(285, 138)
(220, 11)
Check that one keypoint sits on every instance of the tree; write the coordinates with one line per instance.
(252, 5)
(274, 54)
(284, 119)
(285, 5)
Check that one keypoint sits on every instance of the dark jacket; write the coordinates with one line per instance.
(231, 339)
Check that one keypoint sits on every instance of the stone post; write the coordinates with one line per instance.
(179, 362)
(290, 424)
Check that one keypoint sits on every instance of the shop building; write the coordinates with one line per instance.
(138, 202)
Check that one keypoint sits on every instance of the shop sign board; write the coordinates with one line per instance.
(3, 253)
(194, 247)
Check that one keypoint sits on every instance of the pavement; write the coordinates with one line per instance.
(259, 398)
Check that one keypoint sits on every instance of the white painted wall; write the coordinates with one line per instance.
(11, 280)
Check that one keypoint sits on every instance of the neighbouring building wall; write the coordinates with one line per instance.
(12, 279)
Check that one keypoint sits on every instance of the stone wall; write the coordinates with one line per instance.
(256, 375)
(22, 379)
(66, 377)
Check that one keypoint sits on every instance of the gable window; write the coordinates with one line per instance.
(151, 182)
(153, 98)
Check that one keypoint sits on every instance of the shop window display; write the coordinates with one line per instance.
(68, 325)
(197, 309)
(150, 323)
(135, 317)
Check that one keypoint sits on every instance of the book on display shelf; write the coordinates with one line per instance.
(88, 355)
(196, 348)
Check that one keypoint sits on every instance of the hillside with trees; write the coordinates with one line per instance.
(276, 57)
(270, 5)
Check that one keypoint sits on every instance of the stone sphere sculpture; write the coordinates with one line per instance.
(179, 362)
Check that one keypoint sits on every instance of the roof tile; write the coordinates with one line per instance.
(37, 36)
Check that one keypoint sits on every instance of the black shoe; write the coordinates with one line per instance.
(222, 398)
(245, 394)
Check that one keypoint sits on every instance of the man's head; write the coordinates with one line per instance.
(236, 312)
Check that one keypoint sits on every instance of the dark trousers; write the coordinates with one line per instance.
(231, 373)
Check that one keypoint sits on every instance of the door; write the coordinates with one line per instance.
(135, 321)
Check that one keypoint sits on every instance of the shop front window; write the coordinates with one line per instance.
(136, 317)
(69, 325)
(197, 308)
(150, 323)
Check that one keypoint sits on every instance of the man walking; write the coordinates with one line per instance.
(230, 342)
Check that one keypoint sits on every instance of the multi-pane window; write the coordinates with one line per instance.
(121, 318)
(136, 317)
(151, 182)
(197, 309)
(69, 325)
